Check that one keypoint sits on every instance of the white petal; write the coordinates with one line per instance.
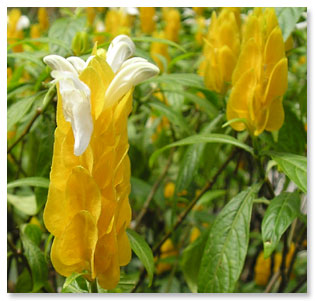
(82, 124)
(135, 71)
(77, 63)
(120, 49)
(22, 23)
(132, 11)
(57, 62)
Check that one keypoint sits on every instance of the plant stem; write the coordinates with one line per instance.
(48, 97)
(182, 217)
(93, 284)
(152, 192)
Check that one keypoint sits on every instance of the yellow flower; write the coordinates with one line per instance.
(169, 190)
(87, 209)
(172, 23)
(91, 13)
(119, 21)
(16, 24)
(194, 234)
(221, 50)
(260, 77)
(167, 250)
(35, 31)
(201, 25)
(262, 267)
(198, 10)
(43, 19)
(159, 49)
(147, 19)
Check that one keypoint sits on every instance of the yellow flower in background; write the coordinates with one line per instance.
(200, 31)
(221, 50)
(198, 10)
(158, 50)
(119, 21)
(263, 265)
(91, 14)
(147, 15)
(43, 19)
(171, 17)
(169, 190)
(194, 234)
(167, 250)
(260, 77)
(88, 209)
(35, 31)
(15, 24)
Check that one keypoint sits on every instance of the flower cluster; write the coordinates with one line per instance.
(88, 209)
(221, 49)
(260, 77)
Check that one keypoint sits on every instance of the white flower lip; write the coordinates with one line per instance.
(23, 22)
(75, 98)
(131, 73)
(120, 49)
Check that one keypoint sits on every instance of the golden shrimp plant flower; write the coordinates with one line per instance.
(88, 209)
(221, 50)
(260, 77)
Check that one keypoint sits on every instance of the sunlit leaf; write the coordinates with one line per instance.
(281, 212)
(294, 166)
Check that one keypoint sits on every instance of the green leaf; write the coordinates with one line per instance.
(287, 18)
(226, 247)
(36, 260)
(294, 166)
(184, 79)
(33, 232)
(78, 285)
(281, 212)
(143, 251)
(26, 56)
(209, 196)
(64, 29)
(292, 135)
(158, 40)
(202, 138)
(72, 278)
(191, 161)
(17, 110)
(26, 204)
(24, 282)
(191, 259)
(173, 116)
(31, 181)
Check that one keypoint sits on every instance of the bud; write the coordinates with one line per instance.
(80, 43)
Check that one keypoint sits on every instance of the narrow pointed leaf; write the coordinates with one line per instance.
(202, 138)
(226, 248)
(281, 212)
(143, 251)
(294, 166)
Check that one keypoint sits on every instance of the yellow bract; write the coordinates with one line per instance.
(158, 49)
(260, 77)
(171, 17)
(147, 19)
(221, 50)
(13, 33)
(88, 209)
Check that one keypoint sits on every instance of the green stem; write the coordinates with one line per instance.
(94, 288)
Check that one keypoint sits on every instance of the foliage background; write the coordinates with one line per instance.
(177, 176)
